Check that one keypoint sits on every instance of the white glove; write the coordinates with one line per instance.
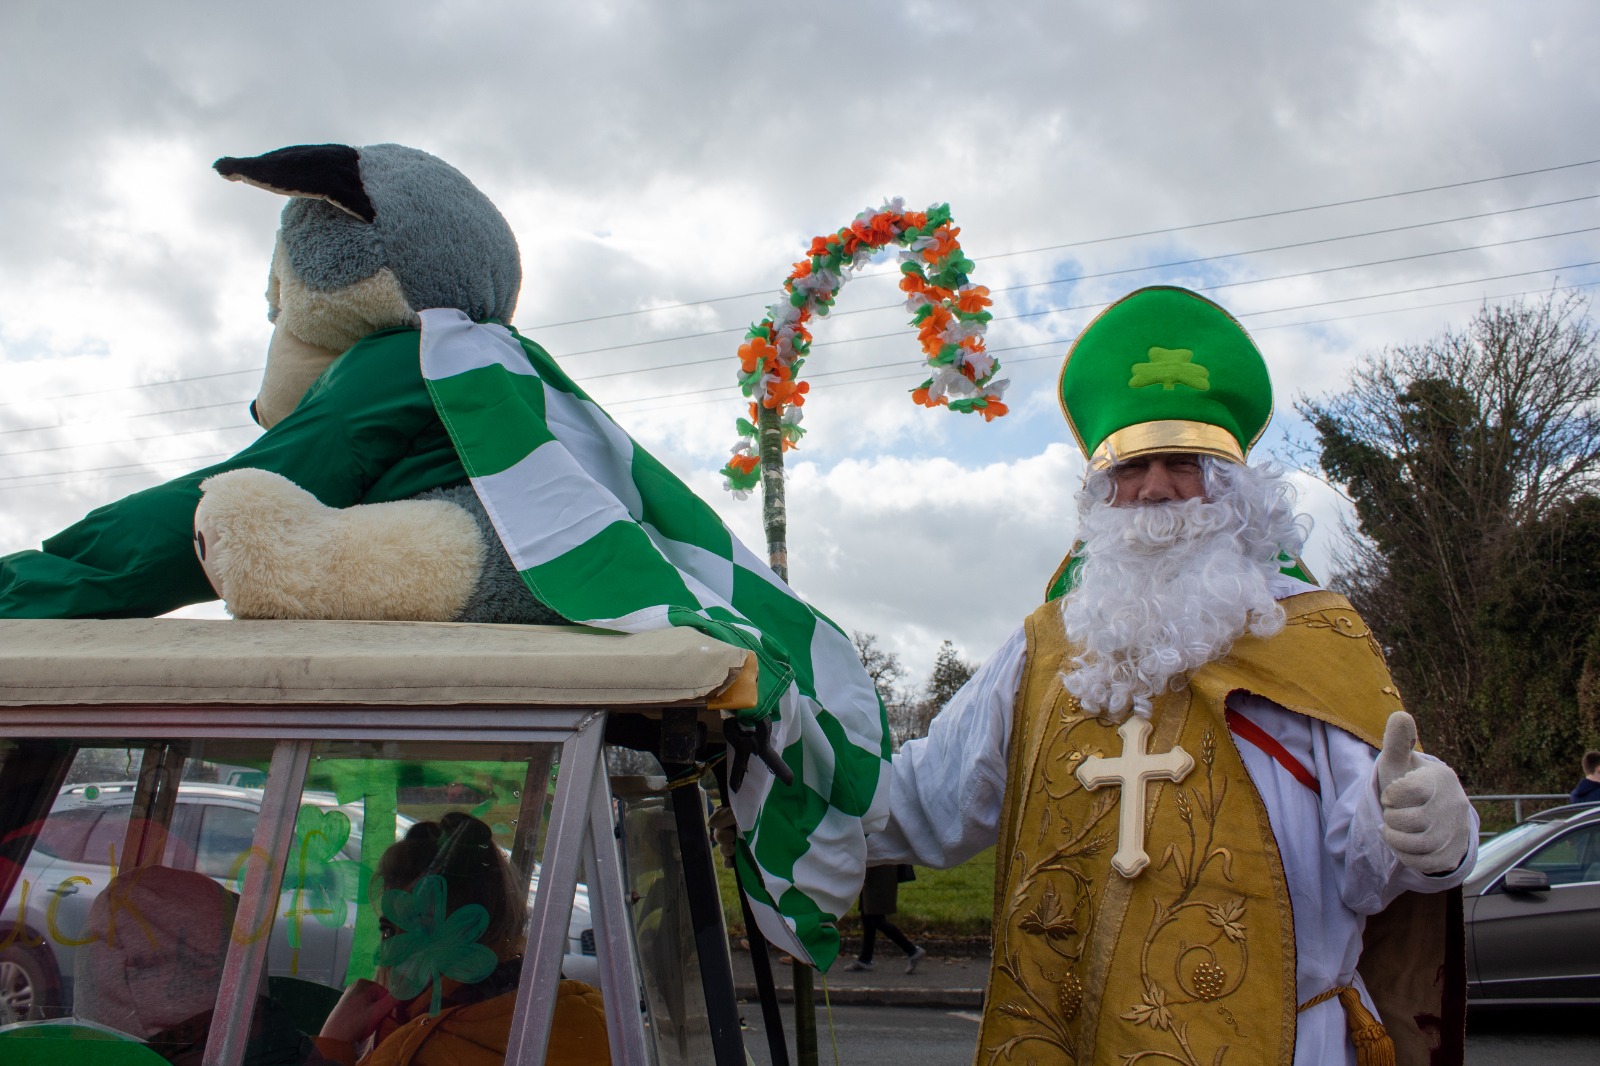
(1427, 818)
(724, 833)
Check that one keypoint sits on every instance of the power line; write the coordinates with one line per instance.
(1120, 237)
(900, 367)
(129, 440)
(1209, 288)
(1030, 314)
(130, 388)
(1105, 274)
(123, 418)
(1065, 341)
(123, 466)
(1007, 288)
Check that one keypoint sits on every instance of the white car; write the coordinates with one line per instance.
(212, 828)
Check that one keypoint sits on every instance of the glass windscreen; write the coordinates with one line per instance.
(111, 919)
(402, 901)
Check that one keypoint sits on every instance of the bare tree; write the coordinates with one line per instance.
(1457, 454)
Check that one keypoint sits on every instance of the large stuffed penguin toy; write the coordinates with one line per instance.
(369, 238)
(423, 461)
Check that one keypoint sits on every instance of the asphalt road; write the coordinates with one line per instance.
(929, 1037)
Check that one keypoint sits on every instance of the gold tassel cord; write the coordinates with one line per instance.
(1374, 1047)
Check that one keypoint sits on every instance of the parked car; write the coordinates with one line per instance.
(212, 828)
(1533, 911)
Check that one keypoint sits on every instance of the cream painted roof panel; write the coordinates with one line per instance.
(180, 660)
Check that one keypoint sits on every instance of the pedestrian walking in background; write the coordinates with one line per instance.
(1588, 790)
(879, 896)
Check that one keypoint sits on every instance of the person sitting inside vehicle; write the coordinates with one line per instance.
(151, 969)
(452, 921)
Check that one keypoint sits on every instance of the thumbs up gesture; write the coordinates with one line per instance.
(1427, 818)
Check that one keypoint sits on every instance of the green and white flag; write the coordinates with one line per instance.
(606, 535)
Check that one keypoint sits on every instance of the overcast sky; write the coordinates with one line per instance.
(659, 154)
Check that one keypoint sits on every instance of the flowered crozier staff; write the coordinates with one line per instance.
(948, 311)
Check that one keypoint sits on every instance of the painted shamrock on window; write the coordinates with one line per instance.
(430, 943)
(320, 885)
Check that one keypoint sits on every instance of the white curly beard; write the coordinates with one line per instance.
(1166, 588)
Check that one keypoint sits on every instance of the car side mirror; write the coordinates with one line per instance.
(1520, 880)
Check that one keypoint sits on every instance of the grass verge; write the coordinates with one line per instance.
(954, 904)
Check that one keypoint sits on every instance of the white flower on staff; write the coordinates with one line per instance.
(982, 363)
(949, 382)
(957, 331)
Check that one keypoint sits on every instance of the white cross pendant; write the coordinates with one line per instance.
(1130, 772)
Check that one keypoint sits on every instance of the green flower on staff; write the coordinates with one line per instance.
(432, 944)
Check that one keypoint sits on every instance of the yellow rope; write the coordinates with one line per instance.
(827, 1008)
(1374, 1047)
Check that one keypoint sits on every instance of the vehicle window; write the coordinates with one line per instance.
(65, 833)
(1570, 859)
(1504, 845)
(104, 842)
(225, 836)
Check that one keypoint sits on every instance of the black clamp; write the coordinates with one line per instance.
(753, 738)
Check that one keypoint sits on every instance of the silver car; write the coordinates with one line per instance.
(1532, 908)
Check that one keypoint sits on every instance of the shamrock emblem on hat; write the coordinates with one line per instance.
(432, 944)
(1169, 368)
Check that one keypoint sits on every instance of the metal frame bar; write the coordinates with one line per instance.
(246, 965)
(150, 818)
(30, 779)
(619, 969)
(760, 957)
(300, 722)
(552, 904)
(530, 812)
(710, 930)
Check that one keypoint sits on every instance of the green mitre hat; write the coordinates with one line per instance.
(1165, 370)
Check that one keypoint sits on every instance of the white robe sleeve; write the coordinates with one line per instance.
(946, 792)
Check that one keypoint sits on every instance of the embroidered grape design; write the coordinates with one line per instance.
(1209, 980)
(1069, 997)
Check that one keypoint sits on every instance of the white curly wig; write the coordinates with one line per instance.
(1167, 587)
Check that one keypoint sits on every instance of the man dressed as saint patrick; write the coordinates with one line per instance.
(1215, 840)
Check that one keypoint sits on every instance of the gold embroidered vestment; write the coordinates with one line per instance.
(1193, 960)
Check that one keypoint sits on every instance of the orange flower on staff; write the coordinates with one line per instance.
(934, 325)
(875, 231)
(787, 392)
(755, 352)
(921, 396)
(915, 219)
(974, 299)
(745, 463)
(789, 445)
(819, 246)
(912, 283)
(944, 242)
(992, 410)
(802, 269)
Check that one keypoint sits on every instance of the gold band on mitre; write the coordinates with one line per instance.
(1167, 435)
